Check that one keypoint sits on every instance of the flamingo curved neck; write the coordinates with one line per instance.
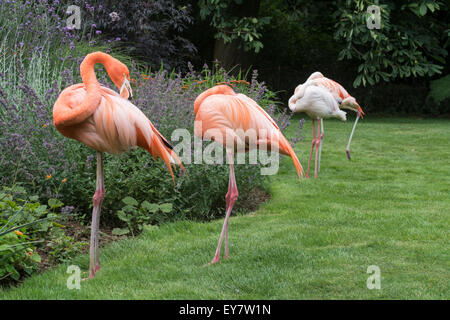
(63, 114)
(87, 68)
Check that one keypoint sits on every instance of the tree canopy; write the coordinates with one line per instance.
(411, 40)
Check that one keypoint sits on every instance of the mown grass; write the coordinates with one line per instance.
(314, 239)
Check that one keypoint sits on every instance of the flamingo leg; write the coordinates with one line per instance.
(317, 141)
(321, 142)
(351, 136)
(226, 242)
(226, 227)
(312, 146)
(97, 200)
(230, 198)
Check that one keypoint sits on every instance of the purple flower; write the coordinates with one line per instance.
(114, 16)
(67, 209)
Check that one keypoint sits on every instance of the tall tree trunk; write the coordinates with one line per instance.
(229, 54)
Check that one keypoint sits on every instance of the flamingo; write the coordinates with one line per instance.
(106, 122)
(319, 104)
(219, 115)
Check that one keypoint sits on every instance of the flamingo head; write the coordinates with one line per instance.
(292, 103)
(350, 103)
(120, 75)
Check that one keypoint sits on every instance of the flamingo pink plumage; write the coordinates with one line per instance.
(106, 122)
(220, 114)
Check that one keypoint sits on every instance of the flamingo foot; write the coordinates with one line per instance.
(91, 275)
(214, 260)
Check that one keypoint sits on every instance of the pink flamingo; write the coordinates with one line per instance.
(220, 114)
(106, 122)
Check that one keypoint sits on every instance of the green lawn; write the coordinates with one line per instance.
(314, 239)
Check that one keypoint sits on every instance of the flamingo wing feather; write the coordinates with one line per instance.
(115, 126)
(221, 113)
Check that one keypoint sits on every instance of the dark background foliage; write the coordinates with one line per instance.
(301, 37)
(151, 31)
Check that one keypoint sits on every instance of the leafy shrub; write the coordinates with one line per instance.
(16, 253)
(410, 42)
(137, 215)
(234, 21)
(392, 98)
(26, 226)
(438, 100)
(297, 42)
(62, 248)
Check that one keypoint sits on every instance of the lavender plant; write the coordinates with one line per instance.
(35, 36)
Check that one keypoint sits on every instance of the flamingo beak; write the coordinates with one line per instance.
(126, 87)
(360, 111)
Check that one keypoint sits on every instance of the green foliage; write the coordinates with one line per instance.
(19, 217)
(410, 40)
(438, 100)
(136, 215)
(17, 254)
(297, 42)
(62, 248)
(297, 32)
(231, 27)
(25, 226)
(440, 89)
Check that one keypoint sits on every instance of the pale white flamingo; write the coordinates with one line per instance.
(320, 97)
